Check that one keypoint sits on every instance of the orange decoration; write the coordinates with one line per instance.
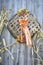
(23, 22)
(26, 37)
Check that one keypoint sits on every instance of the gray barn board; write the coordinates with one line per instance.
(20, 52)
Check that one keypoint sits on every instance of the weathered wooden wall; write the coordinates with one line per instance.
(20, 52)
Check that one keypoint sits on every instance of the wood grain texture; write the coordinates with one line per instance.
(20, 52)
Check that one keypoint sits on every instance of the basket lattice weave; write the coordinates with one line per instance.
(13, 25)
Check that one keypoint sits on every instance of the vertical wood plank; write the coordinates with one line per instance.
(0, 5)
(23, 4)
(21, 57)
(40, 11)
(35, 7)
